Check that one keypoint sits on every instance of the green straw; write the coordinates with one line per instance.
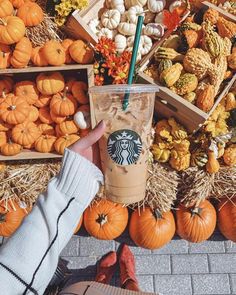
(133, 59)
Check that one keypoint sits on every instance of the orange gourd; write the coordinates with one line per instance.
(106, 220)
(226, 218)
(11, 217)
(79, 90)
(12, 30)
(25, 133)
(6, 8)
(3, 138)
(64, 142)
(46, 129)
(205, 98)
(79, 225)
(44, 115)
(6, 85)
(45, 143)
(57, 119)
(10, 149)
(17, 3)
(38, 58)
(31, 14)
(33, 114)
(22, 53)
(54, 53)
(66, 44)
(213, 165)
(50, 83)
(226, 28)
(196, 223)
(42, 101)
(67, 127)
(27, 90)
(81, 52)
(14, 110)
(150, 229)
(63, 104)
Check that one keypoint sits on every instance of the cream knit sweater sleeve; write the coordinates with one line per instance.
(29, 258)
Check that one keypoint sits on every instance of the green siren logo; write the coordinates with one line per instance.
(124, 147)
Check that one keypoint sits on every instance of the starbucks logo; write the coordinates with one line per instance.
(124, 147)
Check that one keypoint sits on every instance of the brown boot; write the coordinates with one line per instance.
(106, 268)
(127, 269)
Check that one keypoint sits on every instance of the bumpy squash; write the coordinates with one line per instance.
(169, 76)
(164, 64)
(226, 28)
(185, 84)
(211, 15)
(179, 161)
(189, 26)
(191, 97)
(230, 155)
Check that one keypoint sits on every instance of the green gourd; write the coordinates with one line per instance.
(185, 84)
(169, 76)
(164, 64)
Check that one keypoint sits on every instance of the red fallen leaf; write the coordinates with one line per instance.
(171, 20)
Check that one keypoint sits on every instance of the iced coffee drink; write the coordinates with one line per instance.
(124, 148)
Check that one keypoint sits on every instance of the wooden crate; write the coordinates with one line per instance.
(170, 104)
(222, 11)
(81, 72)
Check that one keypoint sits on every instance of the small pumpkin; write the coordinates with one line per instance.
(17, 3)
(27, 90)
(110, 18)
(230, 155)
(79, 225)
(150, 229)
(156, 5)
(14, 110)
(4, 126)
(31, 14)
(10, 149)
(196, 223)
(79, 90)
(226, 216)
(205, 98)
(120, 42)
(66, 43)
(54, 53)
(25, 133)
(63, 104)
(65, 141)
(212, 165)
(105, 220)
(44, 115)
(6, 85)
(81, 52)
(46, 129)
(82, 117)
(50, 83)
(67, 127)
(6, 8)
(5, 56)
(11, 217)
(43, 101)
(127, 29)
(12, 30)
(57, 119)
(3, 138)
(45, 143)
(38, 58)
(22, 53)
(69, 83)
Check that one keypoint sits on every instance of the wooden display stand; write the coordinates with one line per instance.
(81, 72)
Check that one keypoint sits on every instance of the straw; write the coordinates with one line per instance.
(133, 58)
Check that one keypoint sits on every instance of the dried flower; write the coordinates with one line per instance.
(106, 46)
(99, 80)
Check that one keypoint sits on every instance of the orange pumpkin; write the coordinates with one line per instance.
(150, 229)
(6, 85)
(50, 83)
(81, 52)
(63, 104)
(25, 133)
(64, 142)
(14, 110)
(3, 138)
(17, 3)
(29, 146)
(69, 84)
(54, 53)
(196, 223)
(4, 126)
(6, 8)
(57, 119)
(33, 114)
(46, 129)
(31, 14)
(37, 57)
(45, 143)
(28, 90)
(22, 53)
(80, 92)
(43, 101)
(44, 115)
(12, 30)
(66, 44)
(79, 225)
(226, 217)
(5, 56)
(11, 217)
(10, 149)
(106, 220)
(67, 127)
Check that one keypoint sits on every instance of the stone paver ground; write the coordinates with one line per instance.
(179, 268)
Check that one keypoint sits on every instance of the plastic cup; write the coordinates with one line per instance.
(124, 148)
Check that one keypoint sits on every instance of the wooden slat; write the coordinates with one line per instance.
(223, 12)
(29, 155)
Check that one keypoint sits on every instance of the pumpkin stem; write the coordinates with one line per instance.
(102, 219)
(196, 210)
(65, 92)
(157, 214)
(2, 218)
(12, 108)
(3, 22)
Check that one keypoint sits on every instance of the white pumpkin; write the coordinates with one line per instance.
(145, 44)
(93, 25)
(129, 3)
(106, 33)
(127, 29)
(120, 42)
(154, 30)
(82, 119)
(110, 19)
(149, 16)
(124, 17)
(133, 13)
(175, 5)
(120, 8)
(156, 5)
(118, 4)
(139, 55)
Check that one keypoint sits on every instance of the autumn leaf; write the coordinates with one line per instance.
(171, 20)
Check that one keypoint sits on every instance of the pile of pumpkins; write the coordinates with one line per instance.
(148, 228)
(118, 20)
(44, 115)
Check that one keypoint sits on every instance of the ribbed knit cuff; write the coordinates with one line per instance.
(78, 178)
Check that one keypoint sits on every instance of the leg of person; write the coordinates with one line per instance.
(106, 268)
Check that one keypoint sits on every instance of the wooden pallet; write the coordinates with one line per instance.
(170, 104)
(81, 72)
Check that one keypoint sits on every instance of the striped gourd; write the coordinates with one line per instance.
(199, 158)
(164, 64)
